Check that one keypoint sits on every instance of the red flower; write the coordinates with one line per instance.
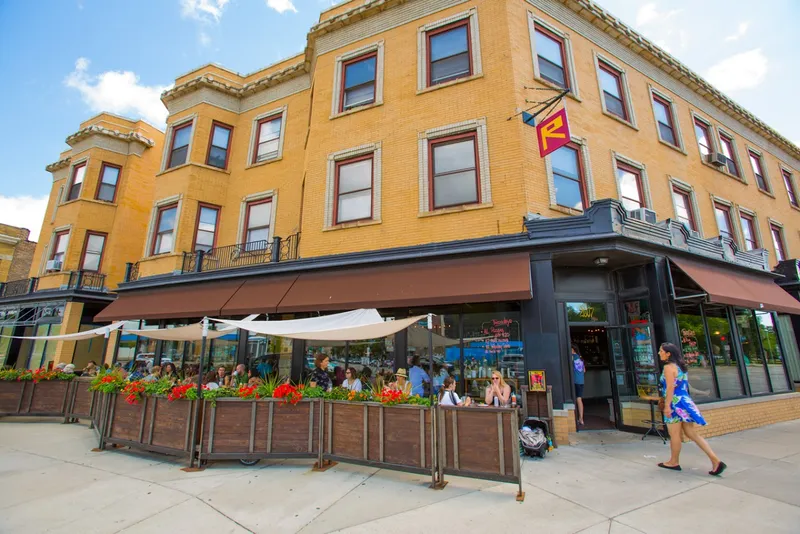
(288, 393)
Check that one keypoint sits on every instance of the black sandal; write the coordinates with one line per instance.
(718, 471)
(670, 467)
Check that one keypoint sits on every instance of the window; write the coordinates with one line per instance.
(179, 149)
(268, 136)
(165, 229)
(749, 231)
(665, 121)
(449, 55)
(755, 163)
(454, 171)
(551, 57)
(777, 241)
(257, 222)
(568, 178)
(358, 82)
(723, 215)
(74, 190)
(613, 94)
(353, 189)
(205, 236)
(787, 180)
(60, 247)
(630, 186)
(703, 137)
(729, 151)
(93, 251)
(218, 145)
(107, 187)
(683, 207)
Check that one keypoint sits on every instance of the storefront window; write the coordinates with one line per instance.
(43, 350)
(446, 348)
(268, 355)
(719, 331)
(493, 340)
(5, 343)
(753, 362)
(772, 351)
(373, 359)
(636, 311)
(127, 343)
(790, 344)
(586, 312)
(694, 346)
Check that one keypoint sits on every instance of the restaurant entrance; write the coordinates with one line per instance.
(598, 402)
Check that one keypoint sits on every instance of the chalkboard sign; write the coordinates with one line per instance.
(689, 346)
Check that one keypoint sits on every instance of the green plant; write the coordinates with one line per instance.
(271, 382)
(109, 382)
(312, 393)
(212, 395)
(338, 393)
(160, 387)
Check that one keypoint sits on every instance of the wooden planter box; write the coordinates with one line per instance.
(81, 402)
(47, 398)
(368, 433)
(155, 424)
(238, 429)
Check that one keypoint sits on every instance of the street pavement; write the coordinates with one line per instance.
(608, 482)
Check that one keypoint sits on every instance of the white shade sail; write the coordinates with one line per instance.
(192, 332)
(78, 336)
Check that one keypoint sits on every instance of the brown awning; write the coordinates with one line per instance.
(479, 279)
(736, 288)
(259, 295)
(191, 300)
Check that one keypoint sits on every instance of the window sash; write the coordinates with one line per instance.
(257, 231)
(625, 174)
(178, 153)
(787, 180)
(60, 246)
(615, 103)
(666, 130)
(93, 252)
(163, 241)
(755, 163)
(267, 143)
(78, 174)
(777, 242)
(453, 58)
(552, 66)
(729, 151)
(454, 176)
(351, 202)
(684, 209)
(564, 177)
(749, 232)
(703, 138)
(724, 221)
(107, 187)
(205, 237)
(218, 153)
(363, 92)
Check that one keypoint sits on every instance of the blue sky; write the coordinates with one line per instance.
(63, 61)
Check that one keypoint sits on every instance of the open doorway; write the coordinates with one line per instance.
(598, 403)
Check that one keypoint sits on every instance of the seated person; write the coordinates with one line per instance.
(221, 377)
(155, 374)
(401, 384)
(498, 393)
(90, 369)
(448, 395)
(351, 380)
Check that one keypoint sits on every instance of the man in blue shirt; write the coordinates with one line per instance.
(417, 375)
(579, 371)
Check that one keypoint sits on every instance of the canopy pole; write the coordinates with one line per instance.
(106, 337)
(199, 392)
(430, 355)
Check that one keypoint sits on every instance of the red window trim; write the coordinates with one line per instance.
(100, 181)
(581, 174)
(638, 173)
(727, 210)
(339, 165)
(725, 139)
(618, 77)
(754, 236)
(56, 237)
(161, 210)
(754, 155)
(75, 169)
(562, 47)
(447, 140)
(790, 190)
(215, 124)
(443, 29)
(200, 206)
(344, 65)
(247, 207)
(707, 130)
(666, 103)
(776, 233)
(687, 197)
(258, 135)
(90, 233)
(172, 143)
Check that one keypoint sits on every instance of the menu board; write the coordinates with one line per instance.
(498, 333)
(689, 346)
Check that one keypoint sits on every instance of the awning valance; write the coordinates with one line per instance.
(735, 288)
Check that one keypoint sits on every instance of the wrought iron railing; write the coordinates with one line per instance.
(131, 272)
(16, 288)
(241, 255)
(87, 281)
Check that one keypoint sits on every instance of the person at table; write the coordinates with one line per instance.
(351, 381)
(440, 374)
(319, 376)
(417, 376)
(680, 412)
(578, 374)
(498, 393)
(401, 382)
(155, 374)
(169, 371)
(222, 378)
(239, 377)
(448, 395)
(90, 369)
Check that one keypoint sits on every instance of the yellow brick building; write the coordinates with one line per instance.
(16, 253)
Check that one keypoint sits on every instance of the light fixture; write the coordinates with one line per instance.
(601, 261)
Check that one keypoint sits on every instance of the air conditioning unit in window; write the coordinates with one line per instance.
(643, 214)
(53, 265)
(717, 159)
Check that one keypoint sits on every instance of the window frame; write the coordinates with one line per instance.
(200, 206)
(619, 76)
(246, 227)
(338, 165)
(452, 139)
(706, 127)
(751, 219)
(791, 191)
(279, 115)
(687, 197)
(160, 211)
(726, 139)
(658, 99)
(444, 29)
(725, 208)
(562, 44)
(621, 165)
(756, 157)
(171, 150)
(100, 182)
(779, 244)
(582, 181)
(217, 124)
(82, 165)
(343, 66)
(56, 238)
(90, 233)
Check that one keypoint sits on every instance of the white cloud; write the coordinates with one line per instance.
(649, 13)
(118, 92)
(741, 71)
(203, 10)
(740, 32)
(282, 6)
(25, 211)
(205, 39)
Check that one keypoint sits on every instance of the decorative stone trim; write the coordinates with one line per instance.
(151, 226)
(586, 166)
(689, 190)
(330, 185)
(131, 137)
(422, 45)
(262, 195)
(476, 125)
(617, 157)
(339, 73)
(623, 76)
(282, 111)
(58, 165)
(534, 21)
(673, 109)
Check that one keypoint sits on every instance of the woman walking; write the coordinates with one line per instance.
(680, 412)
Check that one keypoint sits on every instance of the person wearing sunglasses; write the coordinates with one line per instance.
(498, 393)
(351, 380)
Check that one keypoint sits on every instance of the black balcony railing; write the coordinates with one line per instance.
(241, 255)
(87, 281)
(131, 272)
(16, 288)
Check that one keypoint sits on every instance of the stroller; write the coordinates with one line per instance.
(533, 437)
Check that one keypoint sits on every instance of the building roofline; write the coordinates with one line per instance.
(132, 137)
(60, 164)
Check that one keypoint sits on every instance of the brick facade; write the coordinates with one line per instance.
(16, 253)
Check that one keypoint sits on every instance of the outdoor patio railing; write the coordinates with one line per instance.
(16, 288)
(241, 255)
(86, 280)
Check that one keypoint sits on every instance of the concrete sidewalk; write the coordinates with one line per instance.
(50, 482)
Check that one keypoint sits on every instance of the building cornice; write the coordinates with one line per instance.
(60, 164)
(130, 137)
(9, 240)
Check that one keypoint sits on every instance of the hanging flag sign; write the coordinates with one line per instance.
(553, 133)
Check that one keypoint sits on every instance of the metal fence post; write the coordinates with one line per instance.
(276, 249)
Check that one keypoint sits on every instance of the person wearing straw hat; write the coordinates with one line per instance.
(401, 384)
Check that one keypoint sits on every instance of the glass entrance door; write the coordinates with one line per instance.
(635, 371)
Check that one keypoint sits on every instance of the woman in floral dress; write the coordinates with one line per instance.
(680, 411)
